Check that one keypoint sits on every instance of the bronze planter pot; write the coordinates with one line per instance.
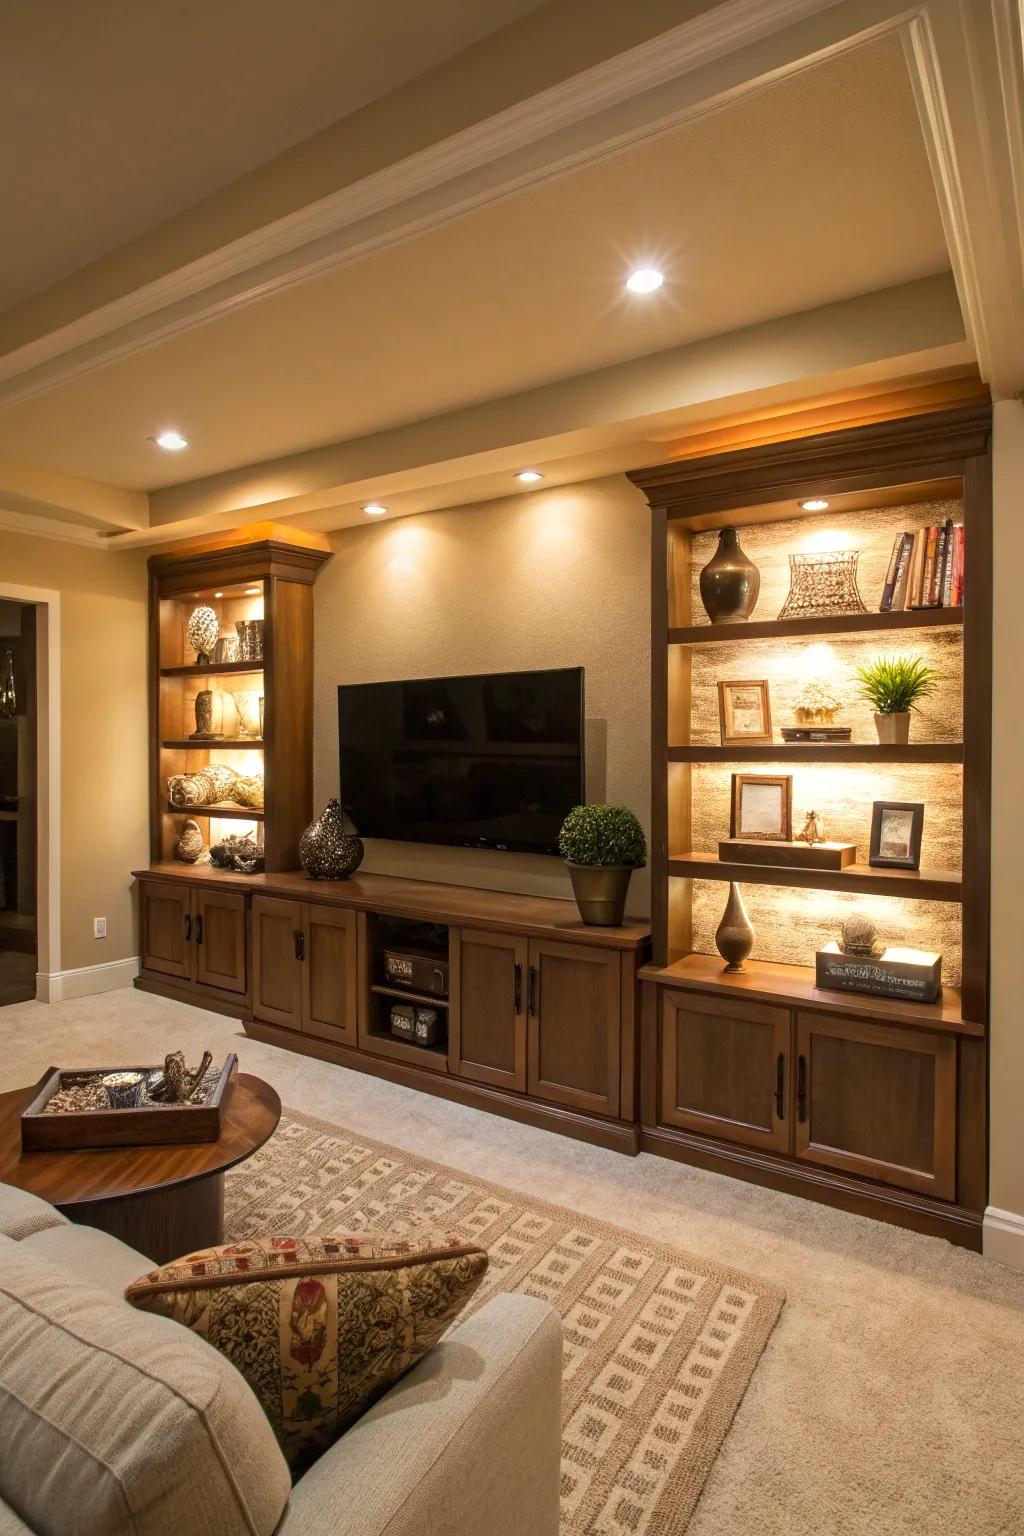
(600, 892)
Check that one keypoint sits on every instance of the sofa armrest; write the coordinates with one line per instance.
(21, 1214)
(468, 1442)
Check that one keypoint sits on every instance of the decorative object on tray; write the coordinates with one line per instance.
(124, 1090)
(203, 630)
(602, 845)
(226, 649)
(730, 582)
(8, 690)
(896, 828)
(250, 639)
(247, 703)
(410, 1021)
(190, 847)
(734, 936)
(327, 850)
(762, 806)
(859, 962)
(791, 854)
(242, 854)
(744, 714)
(822, 584)
(176, 1084)
(209, 715)
(420, 970)
(248, 790)
(812, 831)
(75, 1107)
(893, 685)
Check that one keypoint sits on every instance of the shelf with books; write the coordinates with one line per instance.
(926, 569)
(824, 624)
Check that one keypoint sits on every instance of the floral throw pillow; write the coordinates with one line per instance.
(320, 1327)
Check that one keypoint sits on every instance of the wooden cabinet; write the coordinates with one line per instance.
(725, 1069)
(304, 967)
(574, 1021)
(877, 1101)
(487, 1013)
(193, 935)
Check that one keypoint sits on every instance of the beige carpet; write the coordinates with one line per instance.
(890, 1398)
(659, 1345)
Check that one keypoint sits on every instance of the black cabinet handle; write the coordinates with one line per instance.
(199, 929)
(188, 927)
(780, 1081)
(517, 1002)
(801, 1088)
(532, 990)
(300, 944)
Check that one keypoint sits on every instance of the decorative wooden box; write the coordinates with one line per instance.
(794, 855)
(148, 1125)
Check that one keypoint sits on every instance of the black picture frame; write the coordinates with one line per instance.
(880, 810)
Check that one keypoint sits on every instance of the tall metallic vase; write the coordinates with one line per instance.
(729, 583)
(735, 936)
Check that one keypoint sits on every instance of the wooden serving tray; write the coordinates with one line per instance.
(152, 1125)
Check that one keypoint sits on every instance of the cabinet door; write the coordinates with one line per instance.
(725, 1069)
(574, 1025)
(329, 994)
(277, 941)
(877, 1101)
(487, 1016)
(219, 940)
(165, 927)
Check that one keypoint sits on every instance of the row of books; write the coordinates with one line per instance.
(926, 569)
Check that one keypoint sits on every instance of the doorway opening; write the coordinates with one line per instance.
(19, 800)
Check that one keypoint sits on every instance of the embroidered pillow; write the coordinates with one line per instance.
(320, 1327)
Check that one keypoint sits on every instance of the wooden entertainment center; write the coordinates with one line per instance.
(636, 1038)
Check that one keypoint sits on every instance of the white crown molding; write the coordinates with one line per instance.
(86, 981)
(1002, 1237)
(293, 247)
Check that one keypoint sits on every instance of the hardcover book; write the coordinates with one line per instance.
(914, 975)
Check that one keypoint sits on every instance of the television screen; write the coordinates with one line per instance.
(481, 762)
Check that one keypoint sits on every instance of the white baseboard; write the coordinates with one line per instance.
(1003, 1237)
(58, 986)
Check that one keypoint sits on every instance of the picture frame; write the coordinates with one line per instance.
(896, 828)
(745, 713)
(762, 807)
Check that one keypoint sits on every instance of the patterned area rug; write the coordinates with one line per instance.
(659, 1345)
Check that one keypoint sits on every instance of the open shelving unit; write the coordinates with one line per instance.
(800, 1078)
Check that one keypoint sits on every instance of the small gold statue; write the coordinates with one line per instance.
(813, 830)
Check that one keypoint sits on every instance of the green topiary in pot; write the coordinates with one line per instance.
(602, 845)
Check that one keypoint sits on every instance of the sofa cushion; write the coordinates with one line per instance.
(94, 1256)
(120, 1423)
(320, 1327)
(22, 1214)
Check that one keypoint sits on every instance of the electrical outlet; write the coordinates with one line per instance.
(99, 927)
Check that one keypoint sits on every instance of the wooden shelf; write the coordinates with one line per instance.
(833, 624)
(229, 812)
(862, 879)
(235, 744)
(406, 994)
(214, 669)
(794, 985)
(823, 752)
(383, 1043)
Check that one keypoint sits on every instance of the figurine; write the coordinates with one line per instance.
(243, 854)
(176, 1084)
(858, 936)
(813, 830)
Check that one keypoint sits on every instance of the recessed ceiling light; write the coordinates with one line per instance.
(171, 441)
(374, 509)
(644, 280)
(218, 594)
(815, 504)
(529, 476)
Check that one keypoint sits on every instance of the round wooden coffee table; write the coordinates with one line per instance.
(163, 1201)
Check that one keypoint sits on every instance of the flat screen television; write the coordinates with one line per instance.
(494, 761)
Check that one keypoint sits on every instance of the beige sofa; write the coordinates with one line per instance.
(117, 1423)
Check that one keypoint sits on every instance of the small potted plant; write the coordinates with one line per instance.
(893, 684)
(602, 845)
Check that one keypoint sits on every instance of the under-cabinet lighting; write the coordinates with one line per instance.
(815, 504)
(252, 591)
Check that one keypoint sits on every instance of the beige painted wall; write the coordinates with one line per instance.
(1006, 1077)
(554, 578)
(104, 832)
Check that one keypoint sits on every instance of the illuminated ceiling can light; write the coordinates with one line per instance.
(374, 509)
(529, 476)
(815, 504)
(170, 440)
(644, 280)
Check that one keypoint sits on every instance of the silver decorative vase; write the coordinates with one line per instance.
(735, 936)
(327, 851)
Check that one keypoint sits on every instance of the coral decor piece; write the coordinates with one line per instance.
(822, 584)
(176, 1084)
(203, 630)
(327, 850)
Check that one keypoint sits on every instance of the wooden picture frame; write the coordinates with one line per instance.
(896, 828)
(745, 713)
(762, 806)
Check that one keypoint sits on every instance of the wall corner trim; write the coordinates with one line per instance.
(60, 986)
(1003, 1237)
